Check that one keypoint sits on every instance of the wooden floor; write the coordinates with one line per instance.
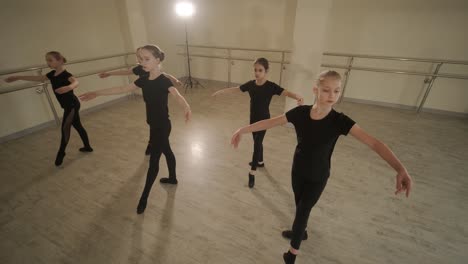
(84, 211)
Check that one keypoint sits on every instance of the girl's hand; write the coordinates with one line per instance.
(216, 94)
(88, 96)
(11, 79)
(188, 115)
(62, 90)
(236, 138)
(103, 75)
(403, 183)
(300, 100)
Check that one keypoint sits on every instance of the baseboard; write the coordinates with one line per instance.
(27, 131)
(346, 99)
(406, 107)
(51, 123)
(233, 84)
(106, 104)
(368, 102)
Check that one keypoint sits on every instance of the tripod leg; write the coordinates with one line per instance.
(186, 84)
(197, 82)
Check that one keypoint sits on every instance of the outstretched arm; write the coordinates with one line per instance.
(298, 98)
(32, 78)
(181, 100)
(403, 181)
(117, 72)
(173, 79)
(227, 91)
(109, 91)
(258, 126)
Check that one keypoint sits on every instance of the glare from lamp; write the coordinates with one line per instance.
(185, 9)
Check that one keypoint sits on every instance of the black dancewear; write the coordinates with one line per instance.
(316, 141)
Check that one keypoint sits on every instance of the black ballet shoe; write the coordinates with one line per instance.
(251, 180)
(141, 207)
(288, 234)
(258, 165)
(289, 258)
(59, 158)
(86, 149)
(148, 150)
(168, 180)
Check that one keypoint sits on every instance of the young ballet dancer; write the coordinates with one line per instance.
(138, 71)
(63, 84)
(318, 127)
(156, 87)
(260, 90)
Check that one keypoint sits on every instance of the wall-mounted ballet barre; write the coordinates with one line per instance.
(430, 76)
(429, 80)
(42, 87)
(230, 59)
(44, 66)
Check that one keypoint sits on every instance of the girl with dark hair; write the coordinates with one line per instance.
(260, 90)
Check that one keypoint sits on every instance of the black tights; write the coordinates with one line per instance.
(306, 195)
(258, 148)
(71, 117)
(159, 145)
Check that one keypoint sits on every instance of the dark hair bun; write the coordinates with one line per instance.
(264, 62)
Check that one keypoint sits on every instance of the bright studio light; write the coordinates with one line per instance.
(185, 9)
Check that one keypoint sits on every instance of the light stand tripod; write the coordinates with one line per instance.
(190, 81)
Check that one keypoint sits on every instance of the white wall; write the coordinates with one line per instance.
(78, 29)
(133, 23)
(416, 28)
(307, 52)
(242, 23)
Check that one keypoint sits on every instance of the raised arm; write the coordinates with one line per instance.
(298, 98)
(173, 79)
(227, 91)
(116, 73)
(32, 78)
(403, 181)
(109, 91)
(181, 100)
(258, 126)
